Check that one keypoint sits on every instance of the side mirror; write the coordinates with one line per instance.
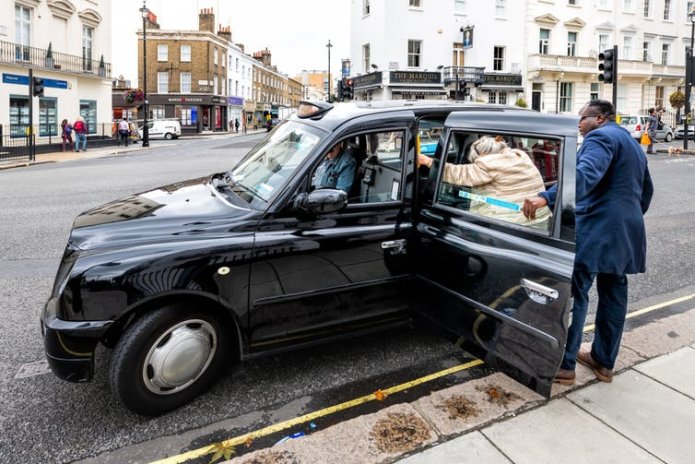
(321, 201)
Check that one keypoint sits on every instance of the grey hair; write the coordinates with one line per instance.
(486, 145)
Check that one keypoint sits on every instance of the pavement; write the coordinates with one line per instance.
(646, 415)
(60, 156)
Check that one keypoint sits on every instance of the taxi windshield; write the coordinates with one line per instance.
(268, 167)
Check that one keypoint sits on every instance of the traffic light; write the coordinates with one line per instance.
(608, 66)
(37, 87)
(348, 89)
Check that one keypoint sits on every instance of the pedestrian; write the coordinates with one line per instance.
(650, 129)
(236, 125)
(123, 132)
(80, 128)
(66, 134)
(613, 191)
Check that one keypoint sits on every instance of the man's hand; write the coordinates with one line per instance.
(531, 205)
(424, 160)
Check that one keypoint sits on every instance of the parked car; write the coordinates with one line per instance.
(636, 125)
(680, 132)
(162, 129)
(184, 280)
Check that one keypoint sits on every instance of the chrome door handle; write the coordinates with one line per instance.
(395, 246)
(539, 293)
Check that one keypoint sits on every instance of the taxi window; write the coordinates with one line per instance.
(490, 175)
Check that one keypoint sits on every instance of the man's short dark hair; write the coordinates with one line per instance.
(603, 107)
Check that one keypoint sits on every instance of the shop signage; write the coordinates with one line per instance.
(217, 99)
(502, 79)
(367, 80)
(414, 77)
(236, 101)
(24, 80)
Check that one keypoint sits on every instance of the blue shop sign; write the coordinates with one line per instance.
(235, 101)
(24, 80)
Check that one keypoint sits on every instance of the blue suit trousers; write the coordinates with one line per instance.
(610, 317)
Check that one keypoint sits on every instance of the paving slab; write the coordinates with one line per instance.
(675, 370)
(561, 432)
(657, 417)
(662, 336)
(472, 448)
(351, 441)
(447, 411)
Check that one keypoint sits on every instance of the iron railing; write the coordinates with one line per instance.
(14, 135)
(39, 58)
(15, 148)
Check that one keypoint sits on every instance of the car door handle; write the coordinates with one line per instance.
(395, 246)
(539, 293)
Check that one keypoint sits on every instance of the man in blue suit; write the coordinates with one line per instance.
(613, 192)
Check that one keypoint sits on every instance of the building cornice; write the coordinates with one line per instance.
(61, 8)
(90, 17)
(547, 19)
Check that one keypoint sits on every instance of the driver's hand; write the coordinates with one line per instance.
(531, 205)
(423, 160)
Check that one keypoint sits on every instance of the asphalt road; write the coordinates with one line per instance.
(46, 420)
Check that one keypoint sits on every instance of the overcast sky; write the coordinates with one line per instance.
(295, 31)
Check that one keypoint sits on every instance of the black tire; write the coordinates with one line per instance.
(668, 137)
(134, 383)
(168, 136)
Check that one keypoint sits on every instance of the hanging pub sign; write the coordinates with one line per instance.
(467, 37)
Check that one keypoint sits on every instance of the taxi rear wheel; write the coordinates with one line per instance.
(167, 358)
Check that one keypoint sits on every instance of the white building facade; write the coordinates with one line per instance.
(543, 52)
(240, 84)
(68, 44)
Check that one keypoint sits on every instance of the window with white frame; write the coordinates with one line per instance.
(502, 98)
(365, 7)
(628, 5)
(185, 78)
(659, 96)
(214, 56)
(602, 42)
(498, 59)
(459, 6)
(366, 58)
(215, 85)
(415, 3)
(492, 97)
(667, 10)
(185, 53)
(627, 47)
(621, 98)
(162, 82)
(162, 52)
(567, 97)
(543, 42)
(593, 93)
(87, 47)
(665, 52)
(646, 51)
(236, 65)
(414, 50)
(571, 44)
(500, 8)
(604, 4)
(573, 2)
(22, 32)
(647, 4)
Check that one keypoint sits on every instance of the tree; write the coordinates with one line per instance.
(677, 100)
(521, 103)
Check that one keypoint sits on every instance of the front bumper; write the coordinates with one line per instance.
(70, 345)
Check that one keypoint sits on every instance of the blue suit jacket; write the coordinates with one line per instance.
(614, 190)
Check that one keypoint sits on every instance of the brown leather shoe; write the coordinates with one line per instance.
(602, 373)
(564, 377)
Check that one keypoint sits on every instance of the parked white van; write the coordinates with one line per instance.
(163, 129)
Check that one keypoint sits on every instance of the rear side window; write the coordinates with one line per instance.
(490, 175)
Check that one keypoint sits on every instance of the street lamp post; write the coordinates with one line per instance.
(329, 46)
(145, 129)
(688, 77)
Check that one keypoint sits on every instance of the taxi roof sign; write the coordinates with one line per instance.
(313, 109)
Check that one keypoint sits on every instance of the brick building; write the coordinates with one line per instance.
(187, 74)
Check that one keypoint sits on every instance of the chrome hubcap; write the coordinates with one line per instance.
(179, 356)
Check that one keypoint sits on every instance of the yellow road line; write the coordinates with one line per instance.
(648, 309)
(280, 426)
(241, 439)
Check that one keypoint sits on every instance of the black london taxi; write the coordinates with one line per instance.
(185, 279)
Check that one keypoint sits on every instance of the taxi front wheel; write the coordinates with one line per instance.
(166, 358)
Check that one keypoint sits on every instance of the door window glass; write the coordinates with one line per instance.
(490, 175)
(48, 119)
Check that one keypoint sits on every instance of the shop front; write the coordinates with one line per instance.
(197, 113)
(503, 89)
(416, 85)
(235, 110)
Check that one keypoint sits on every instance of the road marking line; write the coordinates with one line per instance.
(648, 309)
(181, 458)
(280, 426)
